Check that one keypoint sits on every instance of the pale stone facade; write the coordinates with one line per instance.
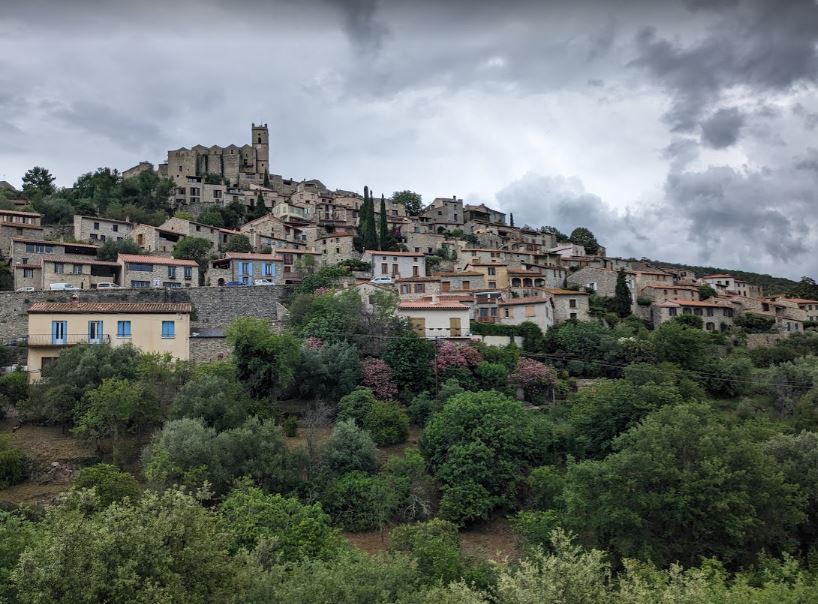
(495, 274)
(716, 315)
(436, 318)
(82, 273)
(143, 166)
(142, 272)
(396, 264)
(415, 288)
(535, 309)
(460, 281)
(335, 247)
(246, 268)
(568, 305)
(100, 230)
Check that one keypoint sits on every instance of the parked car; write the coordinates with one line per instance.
(234, 284)
(263, 282)
(25, 289)
(383, 279)
(58, 287)
(108, 285)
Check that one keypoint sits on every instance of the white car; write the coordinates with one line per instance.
(58, 287)
(24, 289)
(108, 285)
(383, 280)
(263, 282)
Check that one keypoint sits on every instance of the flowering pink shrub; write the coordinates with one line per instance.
(313, 343)
(450, 354)
(377, 376)
(533, 376)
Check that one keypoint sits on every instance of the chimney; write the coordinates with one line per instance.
(75, 299)
(434, 299)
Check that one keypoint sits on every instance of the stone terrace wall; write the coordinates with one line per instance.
(213, 306)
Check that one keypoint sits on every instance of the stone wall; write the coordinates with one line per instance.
(213, 306)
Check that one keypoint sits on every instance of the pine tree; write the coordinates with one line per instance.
(386, 243)
(622, 295)
(370, 232)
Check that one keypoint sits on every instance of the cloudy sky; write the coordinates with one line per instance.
(680, 130)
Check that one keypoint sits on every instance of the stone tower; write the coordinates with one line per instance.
(261, 143)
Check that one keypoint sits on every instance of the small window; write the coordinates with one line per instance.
(168, 329)
(59, 268)
(188, 272)
(115, 228)
(28, 273)
(572, 303)
(77, 269)
(171, 272)
(123, 329)
(96, 226)
(573, 315)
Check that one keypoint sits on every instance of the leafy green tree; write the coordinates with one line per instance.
(38, 183)
(600, 413)
(281, 529)
(729, 377)
(695, 487)
(751, 323)
(77, 370)
(349, 449)
(387, 423)
(410, 358)
(135, 213)
(435, 547)
(196, 249)
(265, 361)
(370, 227)
(55, 210)
(13, 468)
(687, 347)
(413, 202)
(238, 243)
(324, 278)
(593, 349)
(622, 295)
(17, 532)
(330, 317)
(707, 291)
(358, 501)
(163, 547)
(109, 250)
(109, 482)
(187, 452)
(219, 402)
(115, 408)
(584, 237)
(211, 216)
(328, 372)
(480, 446)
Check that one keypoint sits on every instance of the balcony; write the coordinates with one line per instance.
(48, 340)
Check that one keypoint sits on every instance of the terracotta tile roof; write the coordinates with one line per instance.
(328, 236)
(139, 259)
(524, 300)
(524, 272)
(487, 264)
(99, 219)
(287, 250)
(20, 225)
(717, 276)
(459, 297)
(696, 303)
(800, 300)
(37, 266)
(252, 256)
(18, 213)
(563, 292)
(110, 307)
(388, 253)
(429, 305)
(417, 279)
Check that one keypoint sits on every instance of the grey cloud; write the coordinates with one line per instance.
(100, 120)
(722, 128)
(365, 31)
(763, 44)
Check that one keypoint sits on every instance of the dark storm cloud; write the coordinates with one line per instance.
(361, 24)
(96, 119)
(767, 45)
(722, 128)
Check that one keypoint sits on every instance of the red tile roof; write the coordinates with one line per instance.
(139, 259)
(252, 256)
(717, 276)
(563, 292)
(72, 244)
(111, 307)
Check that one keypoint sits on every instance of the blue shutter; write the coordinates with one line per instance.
(53, 332)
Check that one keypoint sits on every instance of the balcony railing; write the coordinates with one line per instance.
(67, 340)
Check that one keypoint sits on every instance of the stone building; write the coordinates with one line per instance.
(215, 235)
(335, 247)
(82, 273)
(568, 304)
(456, 281)
(482, 213)
(143, 166)
(536, 309)
(100, 230)
(18, 224)
(231, 162)
(27, 255)
(245, 268)
(717, 315)
(396, 264)
(155, 240)
(414, 288)
(436, 318)
(142, 272)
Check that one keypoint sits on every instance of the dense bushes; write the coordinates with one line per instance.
(386, 422)
(12, 465)
(109, 483)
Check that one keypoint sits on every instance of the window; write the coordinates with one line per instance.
(123, 329)
(710, 312)
(77, 269)
(59, 332)
(671, 312)
(384, 268)
(404, 289)
(171, 284)
(492, 271)
(492, 284)
(140, 284)
(168, 329)
(96, 226)
(188, 272)
(115, 228)
(28, 273)
(171, 272)
(697, 312)
(420, 288)
(395, 270)
(530, 310)
(415, 272)
(95, 332)
(506, 313)
(140, 267)
(728, 312)
(573, 315)
(572, 303)
(268, 269)
(59, 268)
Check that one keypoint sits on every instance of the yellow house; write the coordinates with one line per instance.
(151, 327)
(495, 274)
(436, 318)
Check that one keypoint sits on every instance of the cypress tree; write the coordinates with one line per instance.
(370, 233)
(511, 218)
(266, 178)
(385, 238)
(359, 239)
(622, 295)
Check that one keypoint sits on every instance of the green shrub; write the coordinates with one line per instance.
(421, 408)
(14, 385)
(290, 426)
(12, 465)
(435, 547)
(109, 482)
(349, 449)
(358, 502)
(387, 423)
